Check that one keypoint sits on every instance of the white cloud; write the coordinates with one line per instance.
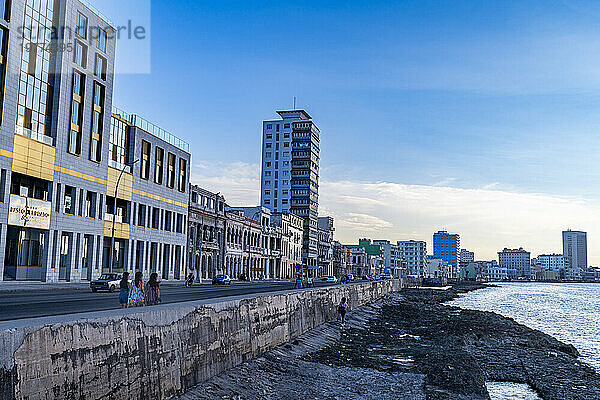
(488, 220)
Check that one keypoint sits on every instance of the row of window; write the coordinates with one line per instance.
(269, 154)
(82, 31)
(159, 161)
(270, 136)
(284, 183)
(83, 203)
(269, 145)
(277, 126)
(156, 218)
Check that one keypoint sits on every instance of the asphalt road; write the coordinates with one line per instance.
(42, 303)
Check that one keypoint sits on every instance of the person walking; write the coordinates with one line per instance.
(152, 292)
(342, 309)
(124, 292)
(136, 292)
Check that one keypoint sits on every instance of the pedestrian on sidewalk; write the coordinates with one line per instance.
(342, 309)
(136, 292)
(124, 292)
(152, 292)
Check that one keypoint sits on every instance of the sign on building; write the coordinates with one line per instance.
(29, 213)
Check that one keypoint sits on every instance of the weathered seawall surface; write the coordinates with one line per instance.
(158, 352)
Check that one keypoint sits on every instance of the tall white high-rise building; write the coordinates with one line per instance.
(290, 173)
(575, 247)
(414, 253)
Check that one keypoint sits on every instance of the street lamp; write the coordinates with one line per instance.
(112, 239)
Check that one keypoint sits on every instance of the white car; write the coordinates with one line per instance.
(109, 282)
(329, 279)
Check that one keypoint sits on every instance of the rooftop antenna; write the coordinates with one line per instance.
(294, 102)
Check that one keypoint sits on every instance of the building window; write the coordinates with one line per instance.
(267, 192)
(100, 67)
(267, 201)
(101, 40)
(182, 174)
(286, 144)
(269, 126)
(158, 165)
(269, 145)
(141, 215)
(156, 218)
(286, 126)
(97, 123)
(5, 9)
(90, 205)
(145, 168)
(269, 136)
(3, 47)
(69, 203)
(74, 145)
(119, 142)
(267, 173)
(168, 221)
(268, 154)
(80, 54)
(82, 25)
(179, 223)
(171, 172)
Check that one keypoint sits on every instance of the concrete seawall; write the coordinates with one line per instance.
(158, 352)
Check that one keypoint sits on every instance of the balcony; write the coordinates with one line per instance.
(120, 166)
(38, 137)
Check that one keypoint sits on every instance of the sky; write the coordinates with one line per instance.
(480, 118)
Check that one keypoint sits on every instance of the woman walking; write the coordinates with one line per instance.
(124, 292)
(136, 293)
(153, 290)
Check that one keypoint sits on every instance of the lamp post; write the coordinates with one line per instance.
(112, 239)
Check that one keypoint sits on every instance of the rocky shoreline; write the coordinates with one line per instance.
(411, 346)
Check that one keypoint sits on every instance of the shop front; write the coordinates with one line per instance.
(27, 239)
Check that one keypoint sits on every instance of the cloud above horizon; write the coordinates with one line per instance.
(487, 219)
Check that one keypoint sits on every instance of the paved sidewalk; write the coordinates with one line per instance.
(21, 286)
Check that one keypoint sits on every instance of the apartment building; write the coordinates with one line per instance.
(516, 261)
(414, 253)
(446, 246)
(575, 248)
(290, 173)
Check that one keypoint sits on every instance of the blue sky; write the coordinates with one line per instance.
(493, 97)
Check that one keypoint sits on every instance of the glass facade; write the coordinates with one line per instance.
(35, 91)
(119, 143)
(3, 48)
(74, 146)
(97, 122)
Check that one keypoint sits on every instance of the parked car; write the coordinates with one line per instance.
(350, 277)
(386, 277)
(329, 279)
(222, 280)
(108, 282)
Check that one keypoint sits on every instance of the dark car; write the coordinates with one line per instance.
(108, 282)
(221, 280)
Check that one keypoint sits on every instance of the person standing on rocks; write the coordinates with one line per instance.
(342, 309)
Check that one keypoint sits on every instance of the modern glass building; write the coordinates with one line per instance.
(63, 153)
